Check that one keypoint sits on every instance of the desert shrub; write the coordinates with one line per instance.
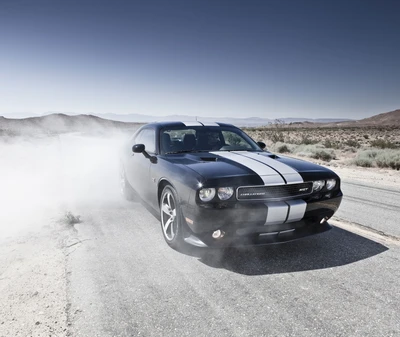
(71, 219)
(316, 151)
(275, 133)
(350, 149)
(383, 144)
(283, 149)
(363, 162)
(306, 150)
(366, 136)
(384, 158)
(388, 158)
(276, 136)
(331, 144)
(306, 140)
(371, 153)
(365, 158)
(323, 155)
(352, 143)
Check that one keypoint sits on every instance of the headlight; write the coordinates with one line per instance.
(206, 194)
(330, 184)
(224, 193)
(317, 185)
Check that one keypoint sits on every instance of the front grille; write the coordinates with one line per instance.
(276, 192)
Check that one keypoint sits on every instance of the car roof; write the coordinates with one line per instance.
(166, 124)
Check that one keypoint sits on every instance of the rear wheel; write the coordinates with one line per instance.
(171, 217)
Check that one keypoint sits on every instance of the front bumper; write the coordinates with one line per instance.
(259, 239)
(245, 223)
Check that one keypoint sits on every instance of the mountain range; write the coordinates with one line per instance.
(241, 122)
(61, 123)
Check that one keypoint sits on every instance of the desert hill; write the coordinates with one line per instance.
(387, 118)
(61, 123)
(391, 118)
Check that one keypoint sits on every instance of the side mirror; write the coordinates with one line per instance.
(138, 148)
(262, 145)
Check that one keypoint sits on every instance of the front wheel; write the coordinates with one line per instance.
(171, 217)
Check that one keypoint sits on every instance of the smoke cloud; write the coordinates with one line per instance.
(43, 177)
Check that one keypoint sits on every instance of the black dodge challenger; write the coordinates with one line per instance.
(214, 186)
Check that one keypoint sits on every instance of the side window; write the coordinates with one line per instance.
(148, 138)
(136, 140)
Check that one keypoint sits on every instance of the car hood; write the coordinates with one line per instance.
(259, 168)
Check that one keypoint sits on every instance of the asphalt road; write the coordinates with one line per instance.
(371, 206)
(123, 280)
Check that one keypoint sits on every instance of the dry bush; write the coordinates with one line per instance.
(384, 158)
(283, 149)
(388, 158)
(383, 144)
(276, 131)
(323, 155)
(352, 143)
(316, 151)
(331, 144)
(306, 140)
(71, 219)
(276, 136)
(365, 158)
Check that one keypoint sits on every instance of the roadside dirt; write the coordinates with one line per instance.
(33, 289)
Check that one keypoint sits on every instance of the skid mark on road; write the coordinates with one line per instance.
(388, 190)
(372, 203)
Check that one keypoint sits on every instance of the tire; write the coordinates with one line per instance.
(171, 218)
(126, 189)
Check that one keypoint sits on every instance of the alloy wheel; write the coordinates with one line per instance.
(168, 215)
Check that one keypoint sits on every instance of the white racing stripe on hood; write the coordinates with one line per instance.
(291, 176)
(280, 212)
(267, 174)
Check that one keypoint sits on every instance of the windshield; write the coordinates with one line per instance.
(204, 138)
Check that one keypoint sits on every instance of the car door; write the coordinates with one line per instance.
(138, 174)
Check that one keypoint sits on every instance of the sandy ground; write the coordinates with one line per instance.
(34, 245)
(33, 286)
(41, 180)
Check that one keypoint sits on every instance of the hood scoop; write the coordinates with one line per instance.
(209, 159)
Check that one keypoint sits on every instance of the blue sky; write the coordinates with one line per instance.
(270, 59)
